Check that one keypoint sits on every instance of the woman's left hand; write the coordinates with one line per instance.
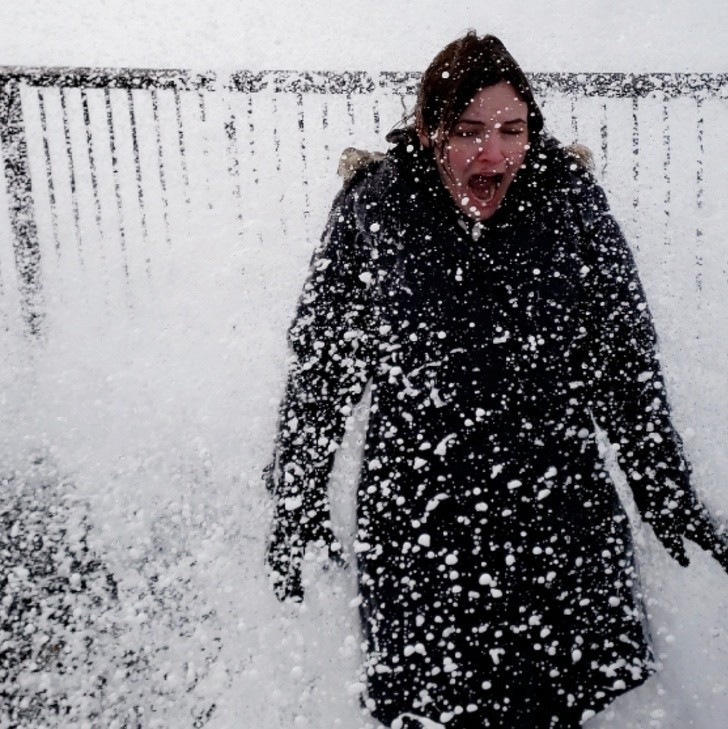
(704, 530)
(700, 528)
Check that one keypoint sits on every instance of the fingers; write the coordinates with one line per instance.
(715, 546)
(268, 476)
(722, 558)
(706, 533)
(286, 581)
(675, 547)
(289, 590)
(285, 556)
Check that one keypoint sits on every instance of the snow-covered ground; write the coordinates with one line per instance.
(150, 405)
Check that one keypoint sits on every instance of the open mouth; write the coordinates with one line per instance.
(484, 187)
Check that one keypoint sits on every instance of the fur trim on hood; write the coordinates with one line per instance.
(582, 154)
(352, 159)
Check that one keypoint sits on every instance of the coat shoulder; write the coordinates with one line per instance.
(371, 181)
(569, 173)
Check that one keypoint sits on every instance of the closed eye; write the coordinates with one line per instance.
(466, 133)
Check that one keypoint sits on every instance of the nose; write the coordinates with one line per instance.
(490, 149)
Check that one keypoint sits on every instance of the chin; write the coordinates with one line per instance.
(480, 213)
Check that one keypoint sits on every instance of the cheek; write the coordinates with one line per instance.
(458, 160)
(517, 154)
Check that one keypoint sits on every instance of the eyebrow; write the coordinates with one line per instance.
(480, 123)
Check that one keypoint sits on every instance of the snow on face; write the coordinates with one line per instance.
(485, 150)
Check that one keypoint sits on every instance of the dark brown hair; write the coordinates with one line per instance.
(455, 76)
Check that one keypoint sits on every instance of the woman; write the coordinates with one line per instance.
(475, 277)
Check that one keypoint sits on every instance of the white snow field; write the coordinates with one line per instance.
(141, 418)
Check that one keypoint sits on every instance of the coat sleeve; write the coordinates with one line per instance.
(330, 349)
(622, 368)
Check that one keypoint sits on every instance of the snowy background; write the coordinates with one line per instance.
(134, 433)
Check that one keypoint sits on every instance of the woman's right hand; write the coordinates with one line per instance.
(286, 549)
(284, 557)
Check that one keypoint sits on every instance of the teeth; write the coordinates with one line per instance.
(484, 187)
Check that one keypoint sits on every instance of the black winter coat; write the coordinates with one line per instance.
(495, 560)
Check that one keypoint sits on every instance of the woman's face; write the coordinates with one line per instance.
(485, 150)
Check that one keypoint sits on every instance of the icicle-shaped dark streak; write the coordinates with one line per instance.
(377, 120)
(231, 148)
(71, 175)
(94, 186)
(49, 173)
(667, 143)
(21, 209)
(160, 159)
(635, 165)
(138, 178)
(277, 147)
(605, 141)
(699, 193)
(251, 140)
(92, 163)
(276, 138)
(205, 148)
(403, 103)
(115, 176)
(251, 144)
(635, 150)
(351, 115)
(324, 127)
(182, 148)
(302, 133)
(574, 122)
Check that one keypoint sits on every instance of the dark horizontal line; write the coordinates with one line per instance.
(105, 78)
(614, 85)
(304, 82)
